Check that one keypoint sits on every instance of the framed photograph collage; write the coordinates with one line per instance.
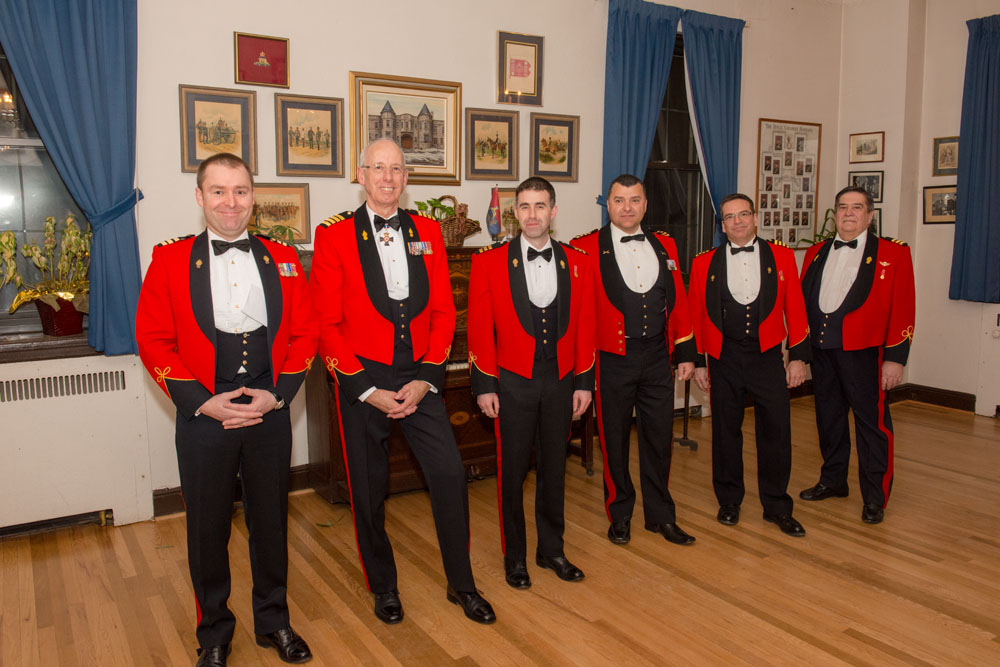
(788, 154)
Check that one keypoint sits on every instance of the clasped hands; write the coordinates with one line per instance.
(402, 403)
(239, 415)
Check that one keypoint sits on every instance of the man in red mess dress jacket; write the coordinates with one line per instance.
(225, 328)
(860, 299)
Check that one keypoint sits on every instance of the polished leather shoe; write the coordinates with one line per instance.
(872, 513)
(672, 532)
(474, 605)
(822, 491)
(729, 514)
(787, 524)
(517, 573)
(291, 648)
(388, 608)
(213, 656)
(564, 569)
(619, 532)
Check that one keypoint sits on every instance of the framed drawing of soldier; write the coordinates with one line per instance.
(491, 144)
(217, 120)
(309, 135)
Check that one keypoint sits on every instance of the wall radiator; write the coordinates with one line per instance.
(73, 440)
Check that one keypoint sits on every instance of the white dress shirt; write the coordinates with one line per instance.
(839, 273)
(392, 251)
(637, 261)
(743, 272)
(543, 283)
(237, 292)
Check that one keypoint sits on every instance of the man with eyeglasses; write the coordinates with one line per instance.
(642, 317)
(745, 299)
(861, 304)
(382, 295)
(531, 358)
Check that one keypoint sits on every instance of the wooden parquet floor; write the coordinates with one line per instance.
(920, 589)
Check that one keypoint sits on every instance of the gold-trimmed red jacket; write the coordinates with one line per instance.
(881, 305)
(609, 291)
(351, 300)
(500, 328)
(781, 306)
(175, 324)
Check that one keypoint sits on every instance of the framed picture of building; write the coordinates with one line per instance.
(555, 147)
(261, 60)
(519, 68)
(788, 155)
(867, 147)
(491, 144)
(217, 120)
(422, 115)
(309, 135)
(281, 211)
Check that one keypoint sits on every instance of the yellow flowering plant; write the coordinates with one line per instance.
(64, 264)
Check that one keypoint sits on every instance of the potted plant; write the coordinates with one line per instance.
(62, 296)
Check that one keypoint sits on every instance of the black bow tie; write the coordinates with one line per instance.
(544, 254)
(391, 222)
(838, 244)
(222, 246)
(634, 237)
(747, 248)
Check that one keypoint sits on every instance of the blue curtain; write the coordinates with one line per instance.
(75, 63)
(641, 38)
(975, 261)
(713, 50)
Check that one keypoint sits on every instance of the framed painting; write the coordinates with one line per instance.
(491, 145)
(939, 205)
(217, 120)
(281, 210)
(867, 147)
(555, 147)
(261, 60)
(508, 218)
(945, 156)
(519, 68)
(423, 116)
(788, 158)
(876, 226)
(869, 180)
(309, 135)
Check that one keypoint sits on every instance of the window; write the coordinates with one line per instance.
(30, 190)
(679, 203)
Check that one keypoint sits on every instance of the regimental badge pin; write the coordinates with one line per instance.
(515, 262)
(781, 274)
(410, 230)
(671, 265)
(562, 264)
(769, 269)
(605, 252)
(712, 278)
(868, 260)
(884, 263)
(576, 273)
(197, 264)
(364, 235)
(882, 277)
(287, 270)
(267, 260)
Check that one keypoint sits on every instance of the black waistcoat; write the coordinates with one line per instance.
(645, 314)
(248, 351)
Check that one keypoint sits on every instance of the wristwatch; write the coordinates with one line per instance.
(280, 401)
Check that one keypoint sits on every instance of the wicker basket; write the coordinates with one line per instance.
(458, 227)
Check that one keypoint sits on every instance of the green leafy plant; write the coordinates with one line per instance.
(63, 259)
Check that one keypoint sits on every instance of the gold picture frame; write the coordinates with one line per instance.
(555, 147)
(396, 106)
(281, 210)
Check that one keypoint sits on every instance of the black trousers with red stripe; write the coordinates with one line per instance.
(743, 369)
(365, 438)
(208, 459)
(852, 379)
(539, 412)
(640, 380)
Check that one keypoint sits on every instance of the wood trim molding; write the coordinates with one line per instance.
(945, 398)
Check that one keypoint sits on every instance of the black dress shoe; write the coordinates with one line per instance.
(291, 648)
(822, 491)
(474, 605)
(672, 532)
(388, 608)
(787, 524)
(619, 532)
(517, 573)
(728, 514)
(872, 513)
(213, 656)
(564, 569)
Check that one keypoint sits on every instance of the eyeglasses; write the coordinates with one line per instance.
(379, 168)
(742, 215)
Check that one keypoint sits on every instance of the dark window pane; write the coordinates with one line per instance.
(679, 205)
